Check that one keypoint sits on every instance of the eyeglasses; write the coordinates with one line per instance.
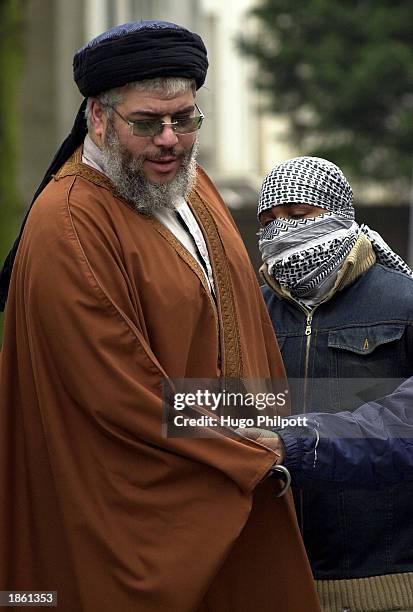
(153, 127)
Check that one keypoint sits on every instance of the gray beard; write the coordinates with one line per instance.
(127, 175)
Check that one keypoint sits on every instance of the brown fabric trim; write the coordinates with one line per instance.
(75, 167)
(232, 366)
(187, 257)
(374, 594)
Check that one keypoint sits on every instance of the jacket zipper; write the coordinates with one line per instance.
(308, 332)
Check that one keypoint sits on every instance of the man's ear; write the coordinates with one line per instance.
(98, 118)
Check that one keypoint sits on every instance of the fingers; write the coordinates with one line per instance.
(266, 438)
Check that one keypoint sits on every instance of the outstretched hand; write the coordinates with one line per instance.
(267, 438)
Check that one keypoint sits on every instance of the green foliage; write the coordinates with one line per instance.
(9, 74)
(342, 72)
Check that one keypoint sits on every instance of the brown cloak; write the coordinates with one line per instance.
(95, 503)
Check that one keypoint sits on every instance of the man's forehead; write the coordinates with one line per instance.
(156, 101)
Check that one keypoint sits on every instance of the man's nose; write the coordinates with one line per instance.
(167, 137)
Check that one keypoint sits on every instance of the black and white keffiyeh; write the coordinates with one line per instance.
(305, 255)
(307, 180)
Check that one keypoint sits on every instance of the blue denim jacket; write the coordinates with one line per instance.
(364, 331)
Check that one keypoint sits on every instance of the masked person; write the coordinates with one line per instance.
(129, 272)
(341, 302)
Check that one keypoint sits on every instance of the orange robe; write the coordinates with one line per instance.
(95, 503)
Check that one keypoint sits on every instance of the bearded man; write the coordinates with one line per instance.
(129, 272)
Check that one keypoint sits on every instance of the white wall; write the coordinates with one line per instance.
(232, 103)
(247, 143)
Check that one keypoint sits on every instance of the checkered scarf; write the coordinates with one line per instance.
(305, 255)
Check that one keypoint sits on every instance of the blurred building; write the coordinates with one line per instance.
(239, 143)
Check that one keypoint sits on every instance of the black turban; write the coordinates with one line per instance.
(134, 51)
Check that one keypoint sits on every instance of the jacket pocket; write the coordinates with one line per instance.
(365, 353)
(365, 340)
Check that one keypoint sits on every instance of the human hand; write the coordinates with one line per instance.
(267, 438)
